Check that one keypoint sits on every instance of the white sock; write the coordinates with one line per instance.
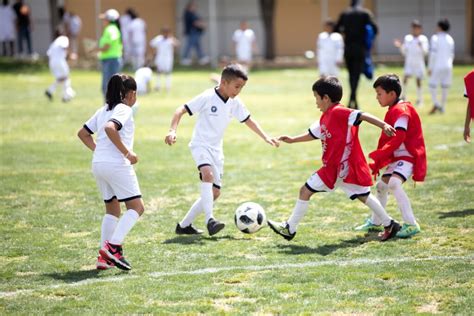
(168, 81)
(125, 224)
(395, 186)
(419, 94)
(207, 199)
(444, 96)
(433, 96)
(52, 87)
(68, 92)
(378, 210)
(158, 81)
(193, 212)
(382, 196)
(109, 222)
(298, 212)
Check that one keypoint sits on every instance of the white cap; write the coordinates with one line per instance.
(110, 15)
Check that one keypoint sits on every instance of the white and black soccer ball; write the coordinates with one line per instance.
(249, 217)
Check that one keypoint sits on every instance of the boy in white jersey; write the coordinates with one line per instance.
(112, 167)
(415, 48)
(216, 107)
(330, 50)
(440, 65)
(57, 54)
(164, 45)
(244, 44)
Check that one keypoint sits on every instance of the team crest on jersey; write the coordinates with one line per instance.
(213, 109)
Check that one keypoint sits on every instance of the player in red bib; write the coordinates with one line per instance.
(469, 83)
(344, 164)
(404, 155)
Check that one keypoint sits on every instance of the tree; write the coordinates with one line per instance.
(267, 9)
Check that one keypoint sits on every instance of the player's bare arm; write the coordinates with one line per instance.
(170, 138)
(114, 136)
(386, 128)
(254, 126)
(296, 139)
(467, 126)
(86, 138)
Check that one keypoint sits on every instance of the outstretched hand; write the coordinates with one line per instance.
(272, 141)
(170, 138)
(285, 139)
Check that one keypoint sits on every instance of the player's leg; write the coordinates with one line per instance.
(168, 78)
(405, 85)
(445, 84)
(433, 86)
(419, 91)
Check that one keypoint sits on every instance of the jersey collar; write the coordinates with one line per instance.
(220, 96)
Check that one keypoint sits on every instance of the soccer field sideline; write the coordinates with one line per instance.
(300, 265)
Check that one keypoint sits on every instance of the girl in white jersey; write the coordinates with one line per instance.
(112, 167)
(215, 109)
(164, 45)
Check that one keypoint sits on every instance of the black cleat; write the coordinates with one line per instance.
(48, 95)
(188, 230)
(214, 226)
(390, 231)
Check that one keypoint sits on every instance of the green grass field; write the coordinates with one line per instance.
(51, 210)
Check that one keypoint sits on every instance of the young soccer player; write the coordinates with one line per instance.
(469, 84)
(440, 65)
(344, 164)
(164, 45)
(244, 44)
(57, 54)
(112, 167)
(415, 48)
(330, 49)
(404, 155)
(143, 77)
(215, 108)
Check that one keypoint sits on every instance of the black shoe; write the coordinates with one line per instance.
(214, 226)
(48, 95)
(282, 229)
(188, 230)
(390, 231)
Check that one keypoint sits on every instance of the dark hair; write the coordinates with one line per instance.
(444, 24)
(330, 86)
(119, 85)
(415, 23)
(330, 23)
(389, 82)
(234, 71)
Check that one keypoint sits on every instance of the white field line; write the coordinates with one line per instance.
(299, 265)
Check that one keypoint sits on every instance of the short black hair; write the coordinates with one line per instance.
(234, 71)
(330, 86)
(444, 24)
(389, 82)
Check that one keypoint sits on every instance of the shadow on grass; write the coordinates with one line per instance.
(75, 276)
(462, 213)
(196, 239)
(325, 250)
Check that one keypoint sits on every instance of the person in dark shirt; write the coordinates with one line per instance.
(23, 21)
(193, 28)
(353, 24)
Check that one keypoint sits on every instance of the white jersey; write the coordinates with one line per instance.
(57, 51)
(243, 40)
(137, 31)
(106, 151)
(74, 25)
(330, 49)
(415, 49)
(441, 52)
(215, 114)
(164, 52)
(142, 77)
(7, 23)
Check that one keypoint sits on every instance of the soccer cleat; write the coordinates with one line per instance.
(188, 230)
(114, 254)
(390, 231)
(214, 226)
(368, 226)
(408, 230)
(103, 264)
(282, 229)
(48, 95)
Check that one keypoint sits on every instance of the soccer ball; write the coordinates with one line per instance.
(249, 217)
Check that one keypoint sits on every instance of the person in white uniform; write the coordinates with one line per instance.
(7, 28)
(215, 108)
(57, 54)
(244, 44)
(74, 25)
(330, 50)
(112, 162)
(440, 65)
(414, 48)
(137, 32)
(143, 77)
(164, 45)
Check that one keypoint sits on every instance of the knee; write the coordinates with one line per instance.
(207, 175)
(394, 184)
(305, 193)
(381, 187)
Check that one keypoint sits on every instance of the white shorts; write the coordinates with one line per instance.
(116, 181)
(204, 156)
(164, 66)
(400, 167)
(441, 77)
(417, 71)
(315, 184)
(59, 69)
